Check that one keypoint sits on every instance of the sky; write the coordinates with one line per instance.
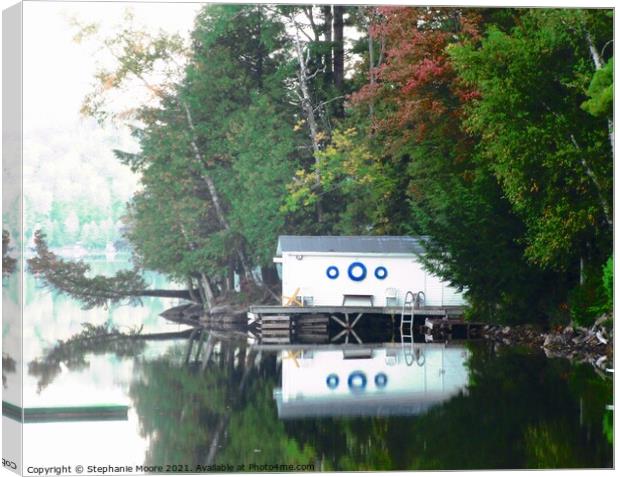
(68, 158)
(57, 71)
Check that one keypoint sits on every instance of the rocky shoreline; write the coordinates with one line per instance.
(592, 345)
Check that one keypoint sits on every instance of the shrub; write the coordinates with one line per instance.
(595, 297)
(608, 282)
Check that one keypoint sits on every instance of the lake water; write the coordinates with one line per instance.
(230, 406)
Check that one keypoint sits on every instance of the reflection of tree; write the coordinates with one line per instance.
(360, 443)
(97, 340)
(8, 366)
(223, 413)
(8, 262)
(520, 412)
(595, 393)
(257, 436)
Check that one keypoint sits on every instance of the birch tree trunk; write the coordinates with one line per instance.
(215, 198)
(327, 13)
(308, 109)
(204, 287)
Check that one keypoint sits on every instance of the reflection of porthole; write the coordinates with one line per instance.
(332, 381)
(381, 380)
(332, 272)
(357, 381)
(357, 271)
(380, 273)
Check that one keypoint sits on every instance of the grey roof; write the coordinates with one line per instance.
(351, 244)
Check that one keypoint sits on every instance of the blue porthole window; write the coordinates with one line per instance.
(380, 273)
(357, 381)
(381, 380)
(332, 272)
(357, 271)
(332, 381)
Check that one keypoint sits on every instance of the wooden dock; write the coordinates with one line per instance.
(450, 311)
(349, 349)
(280, 325)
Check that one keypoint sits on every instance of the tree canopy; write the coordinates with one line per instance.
(490, 130)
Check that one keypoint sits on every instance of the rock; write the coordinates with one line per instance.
(506, 330)
(569, 330)
(600, 361)
(602, 319)
(592, 339)
(553, 340)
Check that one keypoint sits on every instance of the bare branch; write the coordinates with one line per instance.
(328, 101)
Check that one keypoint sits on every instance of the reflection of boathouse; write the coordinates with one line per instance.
(380, 381)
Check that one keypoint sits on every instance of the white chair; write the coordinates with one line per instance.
(391, 297)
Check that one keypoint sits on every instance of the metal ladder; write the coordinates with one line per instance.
(410, 301)
(406, 319)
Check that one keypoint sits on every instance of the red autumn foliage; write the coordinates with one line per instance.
(417, 91)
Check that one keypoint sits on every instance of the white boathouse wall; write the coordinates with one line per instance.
(306, 274)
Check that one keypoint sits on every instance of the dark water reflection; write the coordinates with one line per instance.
(510, 410)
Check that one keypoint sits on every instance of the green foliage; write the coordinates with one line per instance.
(531, 82)
(547, 448)
(608, 282)
(601, 92)
(262, 145)
(595, 297)
(608, 426)
(483, 129)
(216, 155)
(588, 301)
(72, 278)
(349, 175)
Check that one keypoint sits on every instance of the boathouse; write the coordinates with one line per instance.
(374, 271)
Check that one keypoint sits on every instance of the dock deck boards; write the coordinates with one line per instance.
(350, 346)
(379, 310)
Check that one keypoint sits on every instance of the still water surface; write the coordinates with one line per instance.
(453, 407)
